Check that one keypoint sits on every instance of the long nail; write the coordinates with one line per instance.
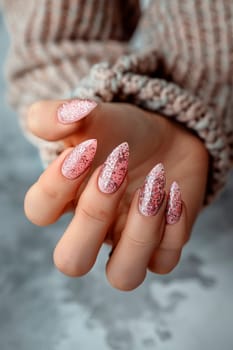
(114, 169)
(79, 159)
(74, 110)
(174, 204)
(152, 192)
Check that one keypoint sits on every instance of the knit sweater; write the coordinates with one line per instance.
(174, 58)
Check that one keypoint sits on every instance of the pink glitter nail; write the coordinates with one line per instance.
(114, 169)
(74, 110)
(174, 205)
(152, 192)
(79, 159)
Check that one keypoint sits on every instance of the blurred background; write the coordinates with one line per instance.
(191, 308)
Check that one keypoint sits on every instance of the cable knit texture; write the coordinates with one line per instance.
(178, 62)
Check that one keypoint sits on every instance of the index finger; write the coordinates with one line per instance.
(58, 185)
(78, 248)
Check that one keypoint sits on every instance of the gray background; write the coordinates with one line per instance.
(192, 308)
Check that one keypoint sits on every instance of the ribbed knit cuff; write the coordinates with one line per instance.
(130, 80)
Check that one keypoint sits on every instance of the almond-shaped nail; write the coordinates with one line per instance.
(74, 110)
(152, 192)
(114, 169)
(79, 159)
(174, 204)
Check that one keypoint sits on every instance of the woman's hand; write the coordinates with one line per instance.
(141, 230)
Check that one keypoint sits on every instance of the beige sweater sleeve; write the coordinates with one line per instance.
(181, 66)
(55, 42)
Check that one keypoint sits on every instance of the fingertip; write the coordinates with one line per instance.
(67, 265)
(123, 283)
(164, 261)
(46, 199)
(42, 120)
(32, 120)
(63, 266)
(30, 208)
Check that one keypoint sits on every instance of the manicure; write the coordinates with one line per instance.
(174, 205)
(74, 110)
(114, 169)
(152, 192)
(79, 159)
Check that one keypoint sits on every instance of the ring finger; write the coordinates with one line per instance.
(144, 228)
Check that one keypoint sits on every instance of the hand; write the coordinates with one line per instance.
(139, 241)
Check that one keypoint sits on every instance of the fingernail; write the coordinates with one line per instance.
(74, 110)
(174, 204)
(152, 192)
(114, 169)
(79, 159)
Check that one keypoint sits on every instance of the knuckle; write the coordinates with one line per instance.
(100, 215)
(139, 242)
(47, 189)
(50, 192)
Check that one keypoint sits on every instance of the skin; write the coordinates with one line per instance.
(114, 218)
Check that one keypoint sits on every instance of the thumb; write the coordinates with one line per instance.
(58, 119)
